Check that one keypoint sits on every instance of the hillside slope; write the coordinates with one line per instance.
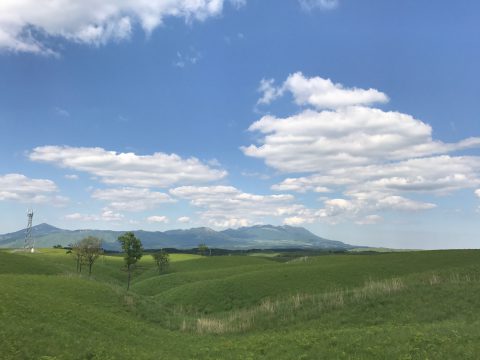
(399, 306)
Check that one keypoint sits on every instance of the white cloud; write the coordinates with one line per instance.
(350, 135)
(71, 177)
(369, 220)
(319, 92)
(269, 91)
(109, 215)
(256, 175)
(226, 206)
(317, 141)
(296, 220)
(339, 210)
(61, 112)
(18, 187)
(105, 215)
(224, 222)
(396, 202)
(324, 94)
(373, 157)
(439, 175)
(183, 219)
(80, 217)
(156, 170)
(309, 5)
(131, 199)
(477, 192)
(25, 24)
(157, 219)
(189, 58)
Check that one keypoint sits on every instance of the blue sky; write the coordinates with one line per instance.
(358, 120)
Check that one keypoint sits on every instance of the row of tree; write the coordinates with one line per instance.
(86, 252)
(89, 249)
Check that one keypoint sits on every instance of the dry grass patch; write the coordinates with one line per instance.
(286, 309)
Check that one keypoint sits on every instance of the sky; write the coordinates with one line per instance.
(358, 120)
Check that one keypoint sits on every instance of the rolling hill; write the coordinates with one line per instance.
(410, 305)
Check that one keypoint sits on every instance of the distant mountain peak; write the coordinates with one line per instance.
(45, 226)
(262, 236)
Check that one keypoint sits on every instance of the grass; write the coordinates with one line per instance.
(410, 305)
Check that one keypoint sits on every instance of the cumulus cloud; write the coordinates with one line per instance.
(314, 141)
(356, 208)
(157, 219)
(26, 26)
(296, 220)
(71, 177)
(439, 175)
(318, 92)
(106, 215)
(156, 170)
(131, 199)
(61, 112)
(18, 187)
(269, 91)
(183, 219)
(80, 217)
(477, 192)
(184, 59)
(226, 206)
(309, 5)
(369, 220)
(378, 159)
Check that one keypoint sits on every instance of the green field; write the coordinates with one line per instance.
(404, 305)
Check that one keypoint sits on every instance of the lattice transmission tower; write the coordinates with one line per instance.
(29, 244)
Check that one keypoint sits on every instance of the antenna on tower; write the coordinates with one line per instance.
(29, 244)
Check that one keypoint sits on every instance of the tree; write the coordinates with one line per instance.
(162, 259)
(92, 249)
(203, 249)
(133, 251)
(86, 252)
(77, 253)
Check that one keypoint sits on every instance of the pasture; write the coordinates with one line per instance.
(402, 305)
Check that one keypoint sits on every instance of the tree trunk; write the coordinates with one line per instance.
(90, 269)
(129, 273)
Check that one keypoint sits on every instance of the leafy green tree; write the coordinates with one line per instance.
(92, 249)
(77, 253)
(203, 249)
(133, 251)
(162, 259)
(86, 252)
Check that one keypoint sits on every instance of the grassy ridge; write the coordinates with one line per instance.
(412, 305)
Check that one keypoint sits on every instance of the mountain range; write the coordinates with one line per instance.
(258, 236)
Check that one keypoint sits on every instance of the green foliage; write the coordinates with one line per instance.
(86, 252)
(133, 251)
(203, 249)
(162, 259)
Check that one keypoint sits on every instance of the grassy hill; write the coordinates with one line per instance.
(412, 305)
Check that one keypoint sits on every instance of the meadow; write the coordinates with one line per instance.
(402, 305)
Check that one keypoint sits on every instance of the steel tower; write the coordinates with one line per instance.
(29, 244)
